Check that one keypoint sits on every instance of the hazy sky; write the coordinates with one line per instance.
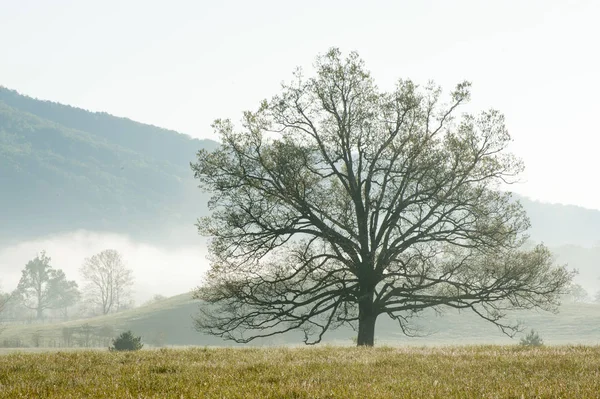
(181, 64)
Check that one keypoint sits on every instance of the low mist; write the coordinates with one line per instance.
(164, 270)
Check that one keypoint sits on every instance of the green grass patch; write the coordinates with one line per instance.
(170, 322)
(317, 372)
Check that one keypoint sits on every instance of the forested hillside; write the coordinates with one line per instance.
(557, 224)
(64, 168)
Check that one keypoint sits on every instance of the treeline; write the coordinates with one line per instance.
(82, 336)
(45, 293)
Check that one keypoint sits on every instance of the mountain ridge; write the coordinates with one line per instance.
(101, 123)
(59, 176)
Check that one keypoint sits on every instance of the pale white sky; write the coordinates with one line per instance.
(181, 64)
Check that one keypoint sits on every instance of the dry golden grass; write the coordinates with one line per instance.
(322, 372)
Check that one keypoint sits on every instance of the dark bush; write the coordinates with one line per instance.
(532, 339)
(126, 342)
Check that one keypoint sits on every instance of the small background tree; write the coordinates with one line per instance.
(67, 334)
(42, 287)
(126, 342)
(576, 293)
(4, 297)
(86, 333)
(105, 334)
(108, 280)
(531, 339)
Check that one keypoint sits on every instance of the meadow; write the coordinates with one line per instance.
(314, 372)
(169, 323)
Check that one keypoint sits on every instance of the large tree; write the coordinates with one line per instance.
(42, 287)
(108, 279)
(337, 202)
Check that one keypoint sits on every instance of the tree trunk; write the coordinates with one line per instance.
(39, 293)
(366, 322)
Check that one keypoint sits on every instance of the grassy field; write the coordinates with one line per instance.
(171, 317)
(171, 320)
(318, 372)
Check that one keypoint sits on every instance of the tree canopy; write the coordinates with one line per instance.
(337, 202)
(108, 281)
(42, 287)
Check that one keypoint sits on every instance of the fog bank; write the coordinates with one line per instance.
(166, 270)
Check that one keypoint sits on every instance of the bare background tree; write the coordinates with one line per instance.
(576, 293)
(108, 281)
(337, 202)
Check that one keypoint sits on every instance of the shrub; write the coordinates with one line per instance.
(532, 339)
(126, 342)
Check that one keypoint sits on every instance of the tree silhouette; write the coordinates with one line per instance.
(42, 287)
(337, 202)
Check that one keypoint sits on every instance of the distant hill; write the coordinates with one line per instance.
(557, 224)
(64, 168)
